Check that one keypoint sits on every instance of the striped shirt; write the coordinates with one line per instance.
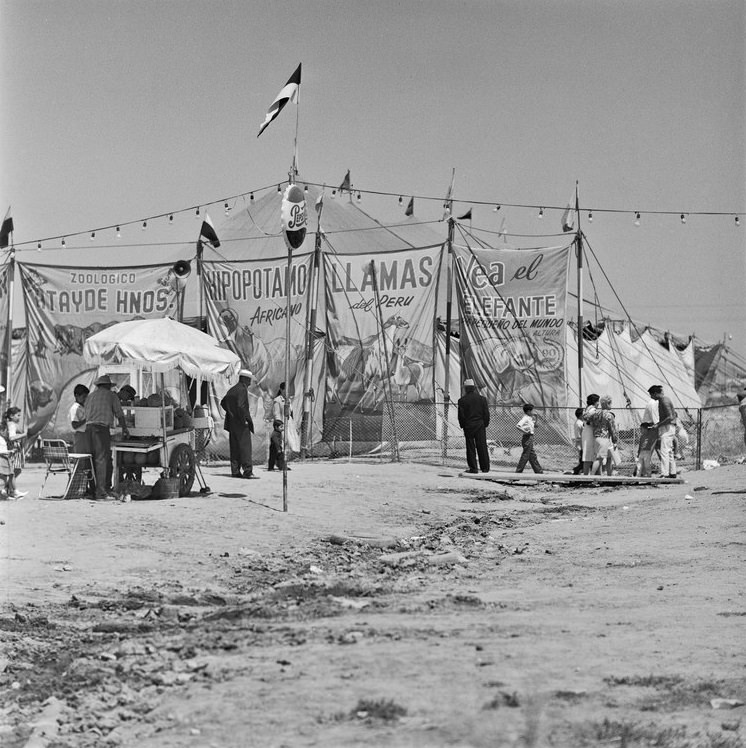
(103, 408)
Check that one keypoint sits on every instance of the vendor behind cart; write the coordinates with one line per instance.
(103, 408)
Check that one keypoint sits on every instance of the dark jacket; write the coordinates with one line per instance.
(236, 407)
(473, 411)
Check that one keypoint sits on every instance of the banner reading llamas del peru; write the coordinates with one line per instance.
(380, 317)
(65, 306)
(512, 309)
(246, 307)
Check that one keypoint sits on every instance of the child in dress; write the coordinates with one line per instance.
(6, 471)
(578, 439)
(14, 436)
(527, 424)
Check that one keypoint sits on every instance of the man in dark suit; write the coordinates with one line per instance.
(239, 425)
(474, 417)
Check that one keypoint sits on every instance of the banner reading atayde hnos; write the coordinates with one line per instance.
(65, 306)
(512, 305)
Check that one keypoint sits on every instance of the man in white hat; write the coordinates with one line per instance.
(239, 425)
(103, 408)
(474, 417)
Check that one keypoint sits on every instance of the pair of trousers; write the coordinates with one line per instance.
(239, 441)
(476, 449)
(668, 459)
(276, 457)
(528, 455)
(99, 440)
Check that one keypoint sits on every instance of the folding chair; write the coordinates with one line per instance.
(79, 467)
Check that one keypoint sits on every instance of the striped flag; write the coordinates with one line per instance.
(207, 232)
(6, 229)
(289, 92)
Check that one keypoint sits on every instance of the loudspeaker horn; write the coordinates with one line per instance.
(181, 270)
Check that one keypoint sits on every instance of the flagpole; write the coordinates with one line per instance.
(313, 293)
(579, 254)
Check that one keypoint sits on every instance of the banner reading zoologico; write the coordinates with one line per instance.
(246, 305)
(380, 312)
(512, 309)
(65, 306)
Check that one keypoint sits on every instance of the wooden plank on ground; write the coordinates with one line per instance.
(602, 480)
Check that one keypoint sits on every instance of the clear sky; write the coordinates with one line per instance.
(112, 112)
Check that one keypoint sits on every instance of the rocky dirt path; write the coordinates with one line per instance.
(393, 605)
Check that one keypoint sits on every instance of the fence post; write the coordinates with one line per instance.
(698, 466)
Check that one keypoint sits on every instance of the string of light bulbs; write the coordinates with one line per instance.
(230, 202)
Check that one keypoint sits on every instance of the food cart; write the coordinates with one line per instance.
(150, 351)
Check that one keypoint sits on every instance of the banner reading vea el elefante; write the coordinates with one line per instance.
(380, 312)
(512, 309)
(246, 307)
(66, 305)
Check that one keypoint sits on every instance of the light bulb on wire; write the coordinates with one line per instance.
(196, 212)
(171, 220)
(144, 225)
(683, 217)
(119, 233)
(496, 208)
(738, 221)
(590, 216)
(541, 213)
(637, 219)
(38, 247)
(63, 241)
(93, 235)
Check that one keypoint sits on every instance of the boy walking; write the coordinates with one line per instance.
(276, 453)
(527, 425)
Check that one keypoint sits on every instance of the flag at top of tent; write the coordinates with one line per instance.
(207, 232)
(289, 92)
(6, 230)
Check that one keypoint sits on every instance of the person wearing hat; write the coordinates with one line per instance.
(239, 425)
(103, 409)
(474, 417)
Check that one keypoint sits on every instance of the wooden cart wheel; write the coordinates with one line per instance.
(182, 466)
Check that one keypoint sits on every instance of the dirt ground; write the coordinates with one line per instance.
(391, 605)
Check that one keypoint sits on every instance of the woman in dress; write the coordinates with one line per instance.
(14, 436)
(588, 444)
(605, 436)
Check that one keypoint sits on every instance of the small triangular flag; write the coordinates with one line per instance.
(6, 229)
(345, 183)
(466, 216)
(410, 207)
(208, 233)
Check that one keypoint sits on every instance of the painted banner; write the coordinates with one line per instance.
(380, 312)
(66, 305)
(246, 305)
(512, 308)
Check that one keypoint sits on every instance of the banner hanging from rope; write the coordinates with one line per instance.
(512, 308)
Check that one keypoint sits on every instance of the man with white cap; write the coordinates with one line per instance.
(103, 408)
(239, 425)
(474, 417)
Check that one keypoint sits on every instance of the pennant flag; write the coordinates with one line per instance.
(568, 218)
(289, 92)
(6, 230)
(410, 207)
(449, 194)
(346, 183)
(319, 204)
(208, 234)
(466, 216)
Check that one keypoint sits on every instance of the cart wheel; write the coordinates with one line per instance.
(182, 466)
(130, 472)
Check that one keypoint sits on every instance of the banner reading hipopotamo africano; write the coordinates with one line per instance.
(512, 309)
(246, 304)
(64, 307)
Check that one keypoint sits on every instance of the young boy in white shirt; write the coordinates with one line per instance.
(527, 424)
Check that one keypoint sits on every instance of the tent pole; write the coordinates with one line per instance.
(579, 255)
(449, 312)
(9, 324)
(313, 293)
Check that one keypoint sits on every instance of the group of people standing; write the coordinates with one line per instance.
(596, 434)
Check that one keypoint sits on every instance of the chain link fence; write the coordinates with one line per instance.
(429, 433)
